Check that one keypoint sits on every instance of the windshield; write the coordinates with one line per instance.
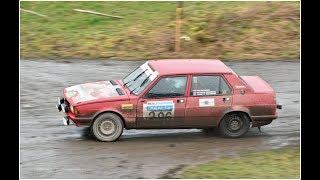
(132, 75)
(139, 79)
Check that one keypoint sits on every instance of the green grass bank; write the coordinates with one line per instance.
(283, 163)
(224, 30)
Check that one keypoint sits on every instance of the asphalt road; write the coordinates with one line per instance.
(48, 149)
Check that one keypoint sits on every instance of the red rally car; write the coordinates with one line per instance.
(172, 93)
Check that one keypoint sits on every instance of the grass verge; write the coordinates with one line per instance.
(283, 163)
(224, 30)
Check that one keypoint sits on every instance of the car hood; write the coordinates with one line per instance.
(94, 91)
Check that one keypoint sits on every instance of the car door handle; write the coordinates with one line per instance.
(226, 99)
(180, 101)
(143, 100)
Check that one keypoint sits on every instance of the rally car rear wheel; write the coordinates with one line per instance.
(107, 127)
(234, 125)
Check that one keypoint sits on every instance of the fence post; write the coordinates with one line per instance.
(178, 25)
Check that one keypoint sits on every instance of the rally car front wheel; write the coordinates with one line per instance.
(107, 127)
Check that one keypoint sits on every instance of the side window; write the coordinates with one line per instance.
(209, 86)
(169, 87)
(224, 87)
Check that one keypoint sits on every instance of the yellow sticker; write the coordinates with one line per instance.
(127, 106)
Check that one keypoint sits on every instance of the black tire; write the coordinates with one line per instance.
(107, 127)
(234, 125)
(211, 130)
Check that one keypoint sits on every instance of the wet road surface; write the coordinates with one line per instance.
(48, 149)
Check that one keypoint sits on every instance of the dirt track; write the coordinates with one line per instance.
(48, 149)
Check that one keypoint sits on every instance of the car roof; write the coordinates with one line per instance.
(189, 66)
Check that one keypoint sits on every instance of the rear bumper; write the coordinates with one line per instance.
(279, 106)
(262, 120)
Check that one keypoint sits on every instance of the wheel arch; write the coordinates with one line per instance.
(109, 111)
(244, 111)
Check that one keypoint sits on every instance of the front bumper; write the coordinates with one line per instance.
(63, 107)
(69, 117)
(66, 121)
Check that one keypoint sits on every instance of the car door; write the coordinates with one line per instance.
(210, 96)
(163, 105)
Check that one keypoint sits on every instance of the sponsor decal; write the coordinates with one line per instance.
(145, 66)
(240, 87)
(149, 72)
(126, 106)
(203, 92)
(71, 93)
(91, 91)
(206, 102)
(153, 75)
(158, 109)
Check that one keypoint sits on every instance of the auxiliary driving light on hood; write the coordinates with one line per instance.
(64, 108)
(58, 106)
(60, 100)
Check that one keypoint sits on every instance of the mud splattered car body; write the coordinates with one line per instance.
(190, 93)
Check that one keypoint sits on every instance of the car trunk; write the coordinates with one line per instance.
(257, 84)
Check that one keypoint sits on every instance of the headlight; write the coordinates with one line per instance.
(71, 108)
(74, 110)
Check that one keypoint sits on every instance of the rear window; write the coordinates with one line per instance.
(209, 86)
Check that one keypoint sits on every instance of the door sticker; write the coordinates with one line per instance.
(203, 92)
(206, 102)
(158, 109)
